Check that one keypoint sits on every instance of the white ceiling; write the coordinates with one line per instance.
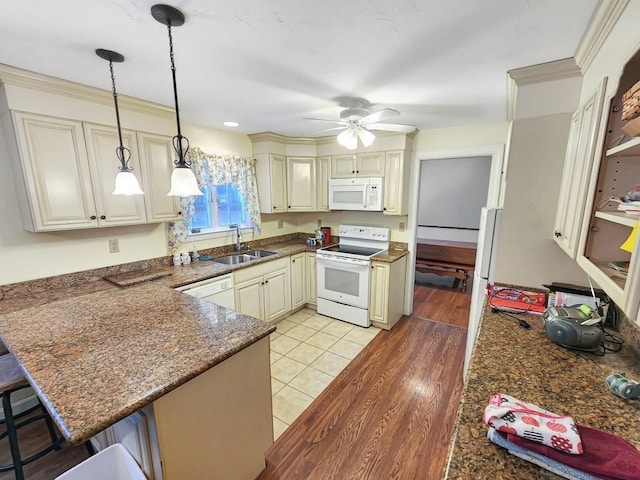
(267, 64)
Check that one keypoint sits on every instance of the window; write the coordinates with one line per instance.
(219, 207)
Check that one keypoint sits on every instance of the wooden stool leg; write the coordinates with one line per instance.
(12, 434)
(456, 281)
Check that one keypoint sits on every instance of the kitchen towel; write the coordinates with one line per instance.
(532, 457)
(605, 455)
(510, 415)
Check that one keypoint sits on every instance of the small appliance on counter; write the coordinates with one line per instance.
(571, 327)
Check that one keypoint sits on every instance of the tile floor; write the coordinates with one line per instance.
(308, 351)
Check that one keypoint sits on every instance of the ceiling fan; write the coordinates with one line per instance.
(357, 122)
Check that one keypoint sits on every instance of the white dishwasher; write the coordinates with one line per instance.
(218, 290)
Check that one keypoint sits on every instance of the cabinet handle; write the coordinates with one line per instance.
(384, 208)
(289, 206)
(353, 171)
(93, 217)
(557, 234)
(357, 171)
(102, 217)
(266, 281)
(179, 213)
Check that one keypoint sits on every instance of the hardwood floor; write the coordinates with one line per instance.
(391, 412)
(388, 415)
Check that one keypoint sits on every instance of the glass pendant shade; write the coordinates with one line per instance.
(366, 137)
(348, 138)
(183, 183)
(127, 184)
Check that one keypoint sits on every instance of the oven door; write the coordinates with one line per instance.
(343, 280)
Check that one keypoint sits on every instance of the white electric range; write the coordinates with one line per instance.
(344, 273)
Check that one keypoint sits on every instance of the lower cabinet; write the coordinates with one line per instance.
(386, 294)
(298, 280)
(264, 291)
(312, 279)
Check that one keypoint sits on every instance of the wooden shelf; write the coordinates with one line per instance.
(620, 218)
(627, 149)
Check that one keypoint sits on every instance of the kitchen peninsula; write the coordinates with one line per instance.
(96, 358)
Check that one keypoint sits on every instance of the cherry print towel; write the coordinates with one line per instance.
(512, 416)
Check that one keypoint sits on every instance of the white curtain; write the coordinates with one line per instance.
(213, 170)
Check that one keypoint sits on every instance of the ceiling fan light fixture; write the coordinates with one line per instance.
(365, 136)
(348, 138)
(183, 181)
(126, 182)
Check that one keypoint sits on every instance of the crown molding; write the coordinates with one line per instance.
(24, 78)
(283, 139)
(604, 18)
(545, 72)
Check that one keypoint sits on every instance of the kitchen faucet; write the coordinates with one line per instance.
(238, 236)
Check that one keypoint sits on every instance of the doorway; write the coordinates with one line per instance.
(479, 169)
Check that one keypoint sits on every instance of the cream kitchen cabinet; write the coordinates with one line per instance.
(264, 290)
(298, 280)
(386, 294)
(396, 182)
(312, 279)
(604, 229)
(323, 173)
(301, 184)
(585, 126)
(51, 170)
(156, 158)
(65, 172)
(358, 165)
(101, 142)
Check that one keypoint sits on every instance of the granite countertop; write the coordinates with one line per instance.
(96, 352)
(527, 365)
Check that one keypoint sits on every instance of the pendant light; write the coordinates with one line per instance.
(126, 181)
(183, 181)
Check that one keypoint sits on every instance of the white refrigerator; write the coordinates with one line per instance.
(490, 219)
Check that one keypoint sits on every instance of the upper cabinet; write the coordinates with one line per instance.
(65, 173)
(323, 174)
(358, 165)
(585, 127)
(156, 160)
(286, 184)
(396, 183)
(604, 228)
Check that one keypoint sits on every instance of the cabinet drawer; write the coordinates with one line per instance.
(265, 268)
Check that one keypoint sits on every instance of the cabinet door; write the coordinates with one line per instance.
(298, 280)
(249, 298)
(585, 125)
(393, 184)
(278, 171)
(370, 164)
(301, 184)
(133, 433)
(322, 183)
(156, 159)
(343, 166)
(312, 273)
(277, 294)
(55, 171)
(112, 210)
(379, 292)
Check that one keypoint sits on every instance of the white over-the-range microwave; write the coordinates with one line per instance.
(363, 193)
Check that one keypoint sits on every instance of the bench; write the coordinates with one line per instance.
(448, 258)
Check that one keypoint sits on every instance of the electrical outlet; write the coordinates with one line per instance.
(319, 222)
(280, 223)
(401, 226)
(114, 246)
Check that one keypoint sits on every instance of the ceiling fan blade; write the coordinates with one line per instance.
(391, 127)
(339, 122)
(326, 130)
(380, 114)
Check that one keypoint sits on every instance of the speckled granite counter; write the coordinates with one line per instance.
(525, 364)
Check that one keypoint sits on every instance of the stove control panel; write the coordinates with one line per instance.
(364, 233)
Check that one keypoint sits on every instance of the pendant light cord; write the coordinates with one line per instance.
(178, 139)
(124, 154)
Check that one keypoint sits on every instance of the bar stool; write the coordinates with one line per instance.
(12, 379)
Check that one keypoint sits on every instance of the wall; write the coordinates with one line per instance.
(527, 254)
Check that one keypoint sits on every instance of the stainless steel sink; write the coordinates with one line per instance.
(261, 253)
(234, 259)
